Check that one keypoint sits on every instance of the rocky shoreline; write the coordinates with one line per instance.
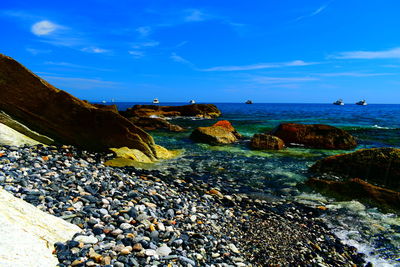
(133, 217)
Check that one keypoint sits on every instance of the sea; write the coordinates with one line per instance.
(280, 175)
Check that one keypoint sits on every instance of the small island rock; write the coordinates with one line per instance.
(220, 133)
(266, 142)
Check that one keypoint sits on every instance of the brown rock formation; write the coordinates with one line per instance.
(151, 124)
(315, 136)
(59, 115)
(266, 142)
(358, 189)
(193, 110)
(380, 166)
(220, 133)
(112, 108)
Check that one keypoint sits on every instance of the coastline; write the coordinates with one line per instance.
(142, 217)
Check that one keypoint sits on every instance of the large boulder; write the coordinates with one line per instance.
(266, 142)
(380, 166)
(63, 117)
(194, 110)
(220, 133)
(28, 234)
(315, 136)
(151, 124)
(358, 189)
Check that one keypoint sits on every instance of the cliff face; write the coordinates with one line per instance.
(63, 117)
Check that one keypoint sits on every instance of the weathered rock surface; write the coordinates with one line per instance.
(28, 234)
(10, 137)
(220, 133)
(315, 136)
(358, 189)
(194, 110)
(151, 124)
(59, 115)
(266, 142)
(380, 166)
(112, 108)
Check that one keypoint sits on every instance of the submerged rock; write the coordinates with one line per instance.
(266, 142)
(150, 124)
(59, 115)
(193, 110)
(377, 165)
(220, 133)
(360, 190)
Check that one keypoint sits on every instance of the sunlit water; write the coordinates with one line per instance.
(281, 174)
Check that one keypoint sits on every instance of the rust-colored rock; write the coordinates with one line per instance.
(59, 115)
(220, 133)
(358, 189)
(151, 124)
(315, 136)
(266, 142)
(194, 110)
(380, 166)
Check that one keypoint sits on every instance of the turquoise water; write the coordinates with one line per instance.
(281, 174)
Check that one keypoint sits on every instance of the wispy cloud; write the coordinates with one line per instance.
(44, 27)
(144, 31)
(95, 50)
(74, 66)
(259, 66)
(80, 83)
(35, 51)
(393, 53)
(194, 15)
(137, 54)
(145, 44)
(180, 59)
(282, 80)
(353, 74)
(314, 13)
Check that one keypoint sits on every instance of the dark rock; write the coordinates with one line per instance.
(194, 110)
(63, 117)
(315, 136)
(378, 165)
(358, 189)
(151, 124)
(221, 132)
(266, 142)
(112, 108)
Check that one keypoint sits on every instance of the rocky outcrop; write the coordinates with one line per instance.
(195, 110)
(220, 133)
(28, 234)
(358, 189)
(63, 117)
(10, 137)
(151, 124)
(380, 166)
(315, 136)
(112, 108)
(266, 142)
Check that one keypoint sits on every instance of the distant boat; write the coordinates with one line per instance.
(192, 102)
(362, 103)
(249, 102)
(339, 102)
(103, 101)
(156, 101)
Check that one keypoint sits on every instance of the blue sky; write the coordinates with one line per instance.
(210, 51)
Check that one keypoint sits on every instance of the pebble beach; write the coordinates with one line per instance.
(132, 217)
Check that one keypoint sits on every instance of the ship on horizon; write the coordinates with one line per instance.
(156, 101)
(362, 103)
(339, 102)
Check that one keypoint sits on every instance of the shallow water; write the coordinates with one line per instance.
(281, 174)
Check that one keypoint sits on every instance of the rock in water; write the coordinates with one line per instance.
(266, 142)
(150, 124)
(220, 133)
(194, 110)
(358, 189)
(59, 115)
(377, 165)
(28, 234)
(315, 136)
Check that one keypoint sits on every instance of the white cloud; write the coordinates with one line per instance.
(144, 31)
(194, 15)
(353, 74)
(260, 66)
(35, 51)
(95, 50)
(384, 54)
(282, 80)
(145, 44)
(180, 59)
(314, 13)
(137, 54)
(44, 27)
